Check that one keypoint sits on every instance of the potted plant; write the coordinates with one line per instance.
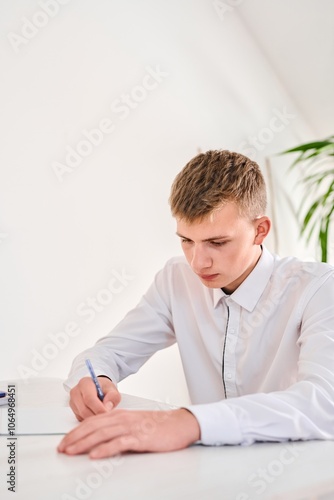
(316, 160)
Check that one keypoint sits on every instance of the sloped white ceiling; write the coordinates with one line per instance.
(297, 38)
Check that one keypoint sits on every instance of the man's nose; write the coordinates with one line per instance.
(200, 259)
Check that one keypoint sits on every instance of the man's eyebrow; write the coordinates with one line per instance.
(181, 236)
(217, 238)
(213, 238)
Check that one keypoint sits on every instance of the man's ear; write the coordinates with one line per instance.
(262, 227)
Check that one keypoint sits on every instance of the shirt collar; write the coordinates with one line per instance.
(251, 289)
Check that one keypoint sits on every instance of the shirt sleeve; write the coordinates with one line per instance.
(144, 330)
(305, 410)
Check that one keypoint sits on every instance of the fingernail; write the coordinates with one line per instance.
(70, 449)
(109, 406)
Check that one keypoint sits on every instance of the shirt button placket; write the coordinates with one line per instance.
(229, 351)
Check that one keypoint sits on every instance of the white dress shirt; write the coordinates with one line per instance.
(259, 364)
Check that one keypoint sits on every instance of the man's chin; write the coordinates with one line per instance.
(211, 285)
(212, 281)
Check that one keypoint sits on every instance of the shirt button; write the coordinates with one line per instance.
(232, 330)
(229, 375)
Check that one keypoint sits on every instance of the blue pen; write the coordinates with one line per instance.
(96, 382)
(3, 394)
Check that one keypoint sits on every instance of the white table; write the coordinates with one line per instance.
(277, 471)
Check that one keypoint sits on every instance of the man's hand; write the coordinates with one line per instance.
(85, 402)
(112, 433)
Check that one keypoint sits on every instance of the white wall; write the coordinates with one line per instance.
(63, 237)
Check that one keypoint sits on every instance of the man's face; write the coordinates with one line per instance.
(223, 248)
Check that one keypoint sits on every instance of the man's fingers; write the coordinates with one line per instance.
(115, 447)
(84, 400)
(107, 428)
(87, 427)
(89, 433)
(80, 409)
(119, 431)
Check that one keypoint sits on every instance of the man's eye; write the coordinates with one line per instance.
(218, 243)
(184, 240)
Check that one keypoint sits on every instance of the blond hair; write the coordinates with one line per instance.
(214, 178)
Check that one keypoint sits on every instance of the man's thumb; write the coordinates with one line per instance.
(108, 404)
(111, 398)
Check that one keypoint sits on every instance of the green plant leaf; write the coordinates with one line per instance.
(319, 189)
(309, 145)
(309, 214)
(323, 238)
(310, 230)
(318, 176)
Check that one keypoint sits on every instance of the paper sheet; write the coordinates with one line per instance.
(33, 421)
(60, 420)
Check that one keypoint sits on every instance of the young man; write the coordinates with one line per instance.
(255, 332)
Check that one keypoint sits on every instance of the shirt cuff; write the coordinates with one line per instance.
(74, 378)
(218, 424)
(77, 375)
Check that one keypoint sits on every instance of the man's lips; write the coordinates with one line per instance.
(208, 277)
